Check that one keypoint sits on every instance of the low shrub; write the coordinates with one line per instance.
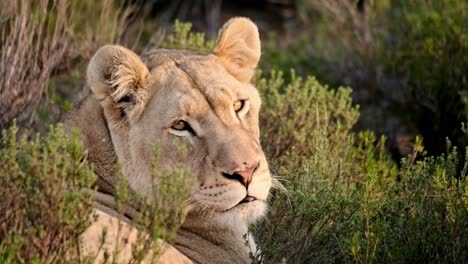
(334, 179)
(345, 199)
(43, 209)
(47, 203)
(181, 37)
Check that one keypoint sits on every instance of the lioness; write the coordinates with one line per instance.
(206, 99)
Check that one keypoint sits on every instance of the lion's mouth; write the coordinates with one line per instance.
(247, 199)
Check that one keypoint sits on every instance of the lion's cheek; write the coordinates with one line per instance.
(217, 197)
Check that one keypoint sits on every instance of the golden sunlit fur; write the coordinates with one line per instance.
(135, 103)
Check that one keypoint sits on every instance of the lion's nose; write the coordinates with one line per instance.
(243, 176)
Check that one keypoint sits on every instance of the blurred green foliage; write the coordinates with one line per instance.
(428, 50)
(407, 55)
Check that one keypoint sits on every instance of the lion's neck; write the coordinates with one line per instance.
(214, 245)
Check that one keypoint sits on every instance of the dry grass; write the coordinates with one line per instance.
(41, 43)
(32, 42)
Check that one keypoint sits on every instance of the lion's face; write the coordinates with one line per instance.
(203, 99)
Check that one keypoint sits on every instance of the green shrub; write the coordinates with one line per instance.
(345, 199)
(290, 109)
(43, 209)
(182, 38)
(424, 217)
(334, 179)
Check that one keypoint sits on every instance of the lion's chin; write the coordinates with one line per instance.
(243, 213)
(239, 216)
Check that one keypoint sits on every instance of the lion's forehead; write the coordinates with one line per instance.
(198, 84)
(204, 69)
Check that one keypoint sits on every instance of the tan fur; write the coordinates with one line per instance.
(134, 104)
(123, 233)
(239, 48)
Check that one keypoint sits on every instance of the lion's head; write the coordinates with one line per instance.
(207, 100)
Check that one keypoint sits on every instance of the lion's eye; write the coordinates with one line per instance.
(239, 105)
(180, 125)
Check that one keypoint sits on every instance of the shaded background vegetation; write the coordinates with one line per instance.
(361, 185)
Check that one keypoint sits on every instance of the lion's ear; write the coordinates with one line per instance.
(238, 46)
(118, 78)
